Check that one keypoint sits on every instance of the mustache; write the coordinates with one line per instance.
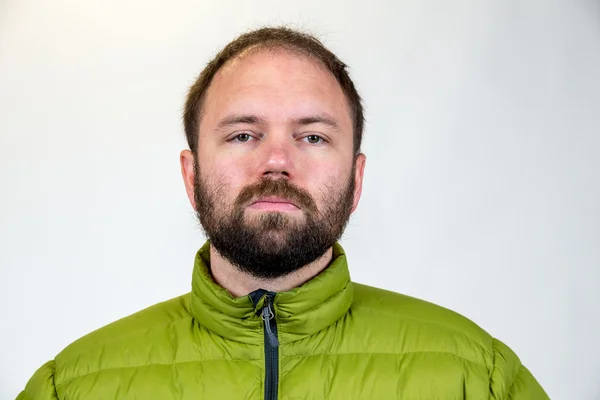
(278, 188)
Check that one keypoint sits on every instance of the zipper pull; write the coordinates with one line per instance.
(267, 316)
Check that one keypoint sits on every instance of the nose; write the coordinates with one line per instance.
(277, 158)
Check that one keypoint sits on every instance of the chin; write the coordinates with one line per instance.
(273, 220)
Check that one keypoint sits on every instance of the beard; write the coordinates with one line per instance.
(272, 244)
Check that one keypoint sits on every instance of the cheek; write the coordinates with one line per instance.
(226, 178)
(328, 181)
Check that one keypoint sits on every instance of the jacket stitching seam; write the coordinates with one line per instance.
(387, 354)
(492, 369)
(68, 381)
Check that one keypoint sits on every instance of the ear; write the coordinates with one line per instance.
(359, 173)
(186, 159)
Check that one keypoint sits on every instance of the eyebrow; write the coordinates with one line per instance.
(240, 119)
(318, 119)
(236, 119)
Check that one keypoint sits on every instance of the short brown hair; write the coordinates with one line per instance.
(271, 37)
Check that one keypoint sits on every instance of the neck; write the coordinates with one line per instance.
(239, 283)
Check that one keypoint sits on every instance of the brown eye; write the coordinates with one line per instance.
(314, 139)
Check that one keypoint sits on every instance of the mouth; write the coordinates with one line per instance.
(273, 203)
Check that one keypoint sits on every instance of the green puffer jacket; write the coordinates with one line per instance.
(327, 339)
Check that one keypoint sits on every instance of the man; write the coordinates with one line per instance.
(274, 125)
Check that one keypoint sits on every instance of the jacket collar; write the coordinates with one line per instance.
(299, 312)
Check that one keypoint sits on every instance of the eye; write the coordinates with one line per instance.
(314, 139)
(242, 137)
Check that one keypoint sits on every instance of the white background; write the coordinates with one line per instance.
(482, 183)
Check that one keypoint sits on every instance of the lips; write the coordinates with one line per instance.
(274, 203)
(273, 199)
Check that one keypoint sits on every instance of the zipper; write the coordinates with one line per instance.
(271, 348)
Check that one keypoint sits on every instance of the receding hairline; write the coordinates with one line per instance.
(274, 47)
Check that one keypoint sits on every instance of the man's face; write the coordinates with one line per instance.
(275, 180)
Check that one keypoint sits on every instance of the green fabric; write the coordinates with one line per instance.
(338, 340)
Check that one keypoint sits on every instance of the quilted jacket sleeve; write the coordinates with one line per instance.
(510, 379)
(41, 385)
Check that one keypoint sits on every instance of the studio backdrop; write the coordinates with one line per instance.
(481, 189)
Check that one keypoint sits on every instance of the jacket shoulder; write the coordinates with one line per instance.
(421, 326)
(124, 343)
(435, 340)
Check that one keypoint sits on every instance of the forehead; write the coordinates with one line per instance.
(275, 83)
